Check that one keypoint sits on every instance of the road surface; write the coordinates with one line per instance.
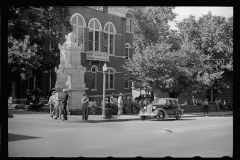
(36, 135)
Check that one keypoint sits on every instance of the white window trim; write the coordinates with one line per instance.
(77, 14)
(84, 25)
(94, 32)
(108, 72)
(96, 70)
(130, 25)
(128, 84)
(106, 30)
(129, 46)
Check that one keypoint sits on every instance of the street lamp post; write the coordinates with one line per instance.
(105, 68)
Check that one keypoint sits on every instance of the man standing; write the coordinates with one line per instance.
(224, 105)
(206, 107)
(51, 102)
(57, 107)
(85, 102)
(120, 104)
(217, 104)
(129, 101)
(64, 101)
(111, 98)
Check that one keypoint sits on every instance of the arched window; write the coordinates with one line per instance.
(127, 50)
(94, 77)
(94, 34)
(78, 24)
(109, 38)
(129, 25)
(110, 77)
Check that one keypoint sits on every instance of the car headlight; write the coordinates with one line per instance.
(154, 107)
(145, 107)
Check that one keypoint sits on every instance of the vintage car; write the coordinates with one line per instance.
(161, 108)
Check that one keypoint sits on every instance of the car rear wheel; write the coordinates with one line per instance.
(143, 118)
(178, 115)
(160, 116)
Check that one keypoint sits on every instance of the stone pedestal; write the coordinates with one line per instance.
(70, 74)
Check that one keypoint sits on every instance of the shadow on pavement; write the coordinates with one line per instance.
(17, 137)
(173, 119)
(102, 121)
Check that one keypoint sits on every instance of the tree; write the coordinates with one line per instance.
(150, 28)
(43, 26)
(151, 25)
(212, 36)
(159, 69)
(22, 57)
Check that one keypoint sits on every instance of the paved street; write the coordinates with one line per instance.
(36, 135)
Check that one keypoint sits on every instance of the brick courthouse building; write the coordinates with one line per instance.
(106, 36)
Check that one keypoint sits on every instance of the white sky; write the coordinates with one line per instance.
(184, 12)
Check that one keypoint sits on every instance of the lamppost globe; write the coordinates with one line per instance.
(105, 68)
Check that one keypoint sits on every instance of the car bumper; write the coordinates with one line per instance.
(148, 115)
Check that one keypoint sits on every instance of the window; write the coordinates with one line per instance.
(34, 82)
(159, 101)
(94, 77)
(127, 83)
(110, 79)
(127, 50)
(78, 24)
(109, 38)
(94, 35)
(129, 25)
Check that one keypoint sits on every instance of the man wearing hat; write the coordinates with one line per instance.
(85, 101)
(120, 104)
(64, 101)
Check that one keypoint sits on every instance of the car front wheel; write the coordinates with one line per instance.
(178, 116)
(143, 118)
(160, 116)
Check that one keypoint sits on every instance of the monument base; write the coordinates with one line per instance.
(76, 98)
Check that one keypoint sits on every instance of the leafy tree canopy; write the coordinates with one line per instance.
(42, 25)
(190, 60)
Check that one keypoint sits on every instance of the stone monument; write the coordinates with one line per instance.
(70, 74)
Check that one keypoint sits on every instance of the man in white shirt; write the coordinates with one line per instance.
(57, 107)
(51, 102)
(120, 104)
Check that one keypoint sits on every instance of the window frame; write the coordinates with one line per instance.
(78, 26)
(109, 33)
(96, 70)
(127, 45)
(129, 22)
(35, 82)
(108, 78)
(128, 84)
(94, 20)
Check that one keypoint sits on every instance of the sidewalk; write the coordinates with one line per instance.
(116, 118)
(136, 117)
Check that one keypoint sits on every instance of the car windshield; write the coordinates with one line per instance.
(159, 101)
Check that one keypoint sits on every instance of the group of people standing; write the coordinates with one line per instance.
(123, 104)
(58, 103)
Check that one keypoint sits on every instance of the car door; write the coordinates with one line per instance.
(169, 106)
